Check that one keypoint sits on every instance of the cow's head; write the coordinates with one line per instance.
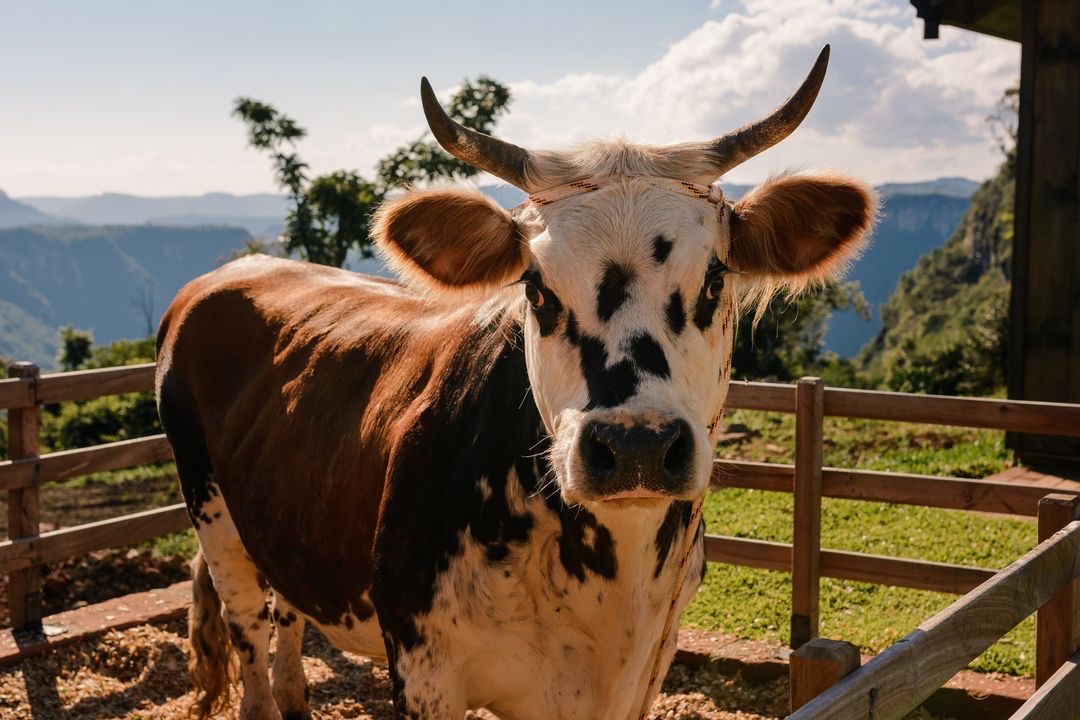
(631, 268)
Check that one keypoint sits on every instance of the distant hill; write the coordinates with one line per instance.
(945, 325)
(259, 214)
(910, 226)
(17, 214)
(95, 278)
(957, 187)
(89, 276)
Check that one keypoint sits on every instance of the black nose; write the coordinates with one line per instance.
(618, 458)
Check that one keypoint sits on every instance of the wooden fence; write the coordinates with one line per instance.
(809, 400)
(901, 677)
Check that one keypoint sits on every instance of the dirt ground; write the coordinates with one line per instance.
(141, 674)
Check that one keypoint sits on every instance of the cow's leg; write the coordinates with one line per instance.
(287, 673)
(247, 615)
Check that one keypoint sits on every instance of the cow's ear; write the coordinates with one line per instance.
(801, 229)
(446, 239)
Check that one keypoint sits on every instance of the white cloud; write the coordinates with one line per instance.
(893, 107)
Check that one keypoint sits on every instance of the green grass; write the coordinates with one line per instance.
(753, 603)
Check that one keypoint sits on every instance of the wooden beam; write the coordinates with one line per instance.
(23, 504)
(899, 572)
(845, 565)
(16, 392)
(806, 545)
(78, 540)
(1057, 634)
(817, 666)
(34, 471)
(1044, 321)
(990, 413)
(772, 397)
(996, 496)
(902, 676)
(87, 384)
(1059, 696)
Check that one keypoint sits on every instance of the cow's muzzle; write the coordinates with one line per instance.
(621, 460)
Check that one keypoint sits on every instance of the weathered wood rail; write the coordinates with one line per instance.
(901, 677)
(26, 548)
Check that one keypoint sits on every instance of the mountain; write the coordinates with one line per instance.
(944, 327)
(911, 225)
(260, 214)
(115, 281)
(949, 186)
(18, 214)
(91, 276)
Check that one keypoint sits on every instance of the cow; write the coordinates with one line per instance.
(487, 473)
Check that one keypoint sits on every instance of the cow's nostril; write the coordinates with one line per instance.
(678, 455)
(597, 455)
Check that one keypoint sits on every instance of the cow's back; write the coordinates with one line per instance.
(283, 386)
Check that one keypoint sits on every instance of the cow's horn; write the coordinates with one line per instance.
(740, 145)
(502, 159)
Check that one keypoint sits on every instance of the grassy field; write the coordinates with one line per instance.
(753, 603)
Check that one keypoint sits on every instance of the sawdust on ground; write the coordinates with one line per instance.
(141, 674)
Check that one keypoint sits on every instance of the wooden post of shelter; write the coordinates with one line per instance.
(806, 538)
(817, 666)
(1058, 625)
(24, 511)
(1044, 342)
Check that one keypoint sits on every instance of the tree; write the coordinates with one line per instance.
(789, 338)
(75, 347)
(331, 213)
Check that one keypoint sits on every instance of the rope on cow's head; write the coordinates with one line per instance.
(712, 193)
(680, 581)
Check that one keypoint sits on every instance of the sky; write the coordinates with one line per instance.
(135, 97)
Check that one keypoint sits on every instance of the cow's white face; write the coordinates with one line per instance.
(629, 290)
(628, 337)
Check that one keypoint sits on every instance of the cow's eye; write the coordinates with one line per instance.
(714, 286)
(714, 279)
(534, 296)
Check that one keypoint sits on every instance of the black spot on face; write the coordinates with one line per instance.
(608, 386)
(661, 248)
(709, 297)
(649, 356)
(675, 312)
(612, 292)
(573, 333)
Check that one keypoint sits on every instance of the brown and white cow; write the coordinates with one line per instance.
(483, 475)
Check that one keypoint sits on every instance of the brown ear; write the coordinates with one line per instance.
(801, 229)
(450, 239)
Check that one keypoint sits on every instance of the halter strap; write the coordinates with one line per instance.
(712, 193)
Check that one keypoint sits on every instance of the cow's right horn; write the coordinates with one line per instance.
(502, 159)
(740, 145)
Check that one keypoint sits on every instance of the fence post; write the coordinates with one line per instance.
(1057, 635)
(806, 539)
(24, 511)
(817, 666)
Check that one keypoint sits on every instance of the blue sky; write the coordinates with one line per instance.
(135, 96)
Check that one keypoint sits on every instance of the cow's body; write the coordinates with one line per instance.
(430, 514)
(492, 482)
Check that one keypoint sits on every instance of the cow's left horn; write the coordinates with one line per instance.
(502, 159)
(740, 145)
